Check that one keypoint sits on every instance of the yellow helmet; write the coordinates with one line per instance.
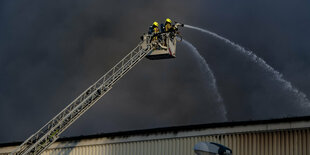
(155, 24)
(168, 20)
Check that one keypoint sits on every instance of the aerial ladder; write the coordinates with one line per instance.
(152, 49)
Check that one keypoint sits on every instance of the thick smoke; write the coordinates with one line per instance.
(52, 50)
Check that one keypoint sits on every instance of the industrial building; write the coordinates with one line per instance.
(288, 136)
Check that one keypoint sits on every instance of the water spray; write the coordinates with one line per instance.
(212, 79)
(302, 98)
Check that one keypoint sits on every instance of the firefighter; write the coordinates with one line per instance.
(169, 29)
(168, 25)
(154, 30)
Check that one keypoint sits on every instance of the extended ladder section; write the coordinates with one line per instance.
(50, 132)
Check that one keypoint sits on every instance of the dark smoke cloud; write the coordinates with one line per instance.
(275, 31)
(52, 50)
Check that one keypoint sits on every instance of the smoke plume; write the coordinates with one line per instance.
(52, 50)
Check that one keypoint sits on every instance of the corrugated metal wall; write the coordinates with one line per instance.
(285, 142)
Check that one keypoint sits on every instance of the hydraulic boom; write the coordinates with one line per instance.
(50, 132)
